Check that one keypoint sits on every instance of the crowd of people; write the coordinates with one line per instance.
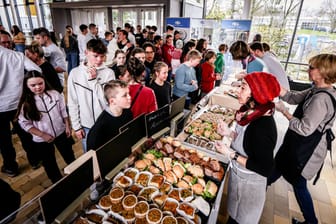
(112, 79)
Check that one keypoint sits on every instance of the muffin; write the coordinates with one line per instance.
(129, 202)
(141, 209)
(116, 194)
(154, 216)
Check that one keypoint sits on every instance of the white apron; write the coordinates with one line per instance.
(247, 189)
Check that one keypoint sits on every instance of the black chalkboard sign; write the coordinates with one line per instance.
(114, 151)
(60, 196)
(157, 120)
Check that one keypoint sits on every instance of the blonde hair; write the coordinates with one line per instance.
(35, 48)
(194, 54)
(326, 64)
(110, 88)
(157, 68)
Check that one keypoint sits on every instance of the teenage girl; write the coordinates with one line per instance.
(43, 114)
(122, 74)
(119, 59)
(159, 84)
(143, 97)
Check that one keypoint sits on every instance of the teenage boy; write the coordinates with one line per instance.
(82, 41)
(273, 64)
(86, 98)
(113, 117)
(51, 51)
(185, 78)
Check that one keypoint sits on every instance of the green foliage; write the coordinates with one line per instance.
(275, 37)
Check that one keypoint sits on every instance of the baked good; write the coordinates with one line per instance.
(154, 170)
(140, 164)
(112, 219)
(201, 181)
(210, 189)
(170, 205)
(189, 179)
(186, 209)
(197, 188)
(169, 220)
(141, 209)
(174, 193)
(196, 171)
(183, 184)
(123, 181)
(148, 192)
(159, 163)
(160, 199)
(169, 139)
(117, 207)
(156, 181)
(81, 220)
(176, 143)
(116, 194)
(149, 156)
(129, 202)
(170, 177)
(154, 216)
(186, 194)
(128, 215)
(165, 187)
(167, 163)
(143, 178)
(181, 220)
(95, 218)
(105, 202)
(135, 188)
(131, 173)
(140, 221)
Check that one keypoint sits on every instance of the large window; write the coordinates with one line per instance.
(276, 20)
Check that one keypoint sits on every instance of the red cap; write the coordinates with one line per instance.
(264, 86)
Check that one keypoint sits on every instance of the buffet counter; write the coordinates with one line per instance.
(179, 180)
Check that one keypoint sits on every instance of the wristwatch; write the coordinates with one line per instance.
(236, 156)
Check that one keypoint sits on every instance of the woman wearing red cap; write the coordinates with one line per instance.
(309, 135)
(251, 150)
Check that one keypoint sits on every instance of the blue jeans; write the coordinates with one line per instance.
(302, 196)
(86, 130)
(305, 201)
(72, 59)
(20, 47)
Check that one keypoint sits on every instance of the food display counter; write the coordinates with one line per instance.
(201, 131)
(160, 179)
(167, 177)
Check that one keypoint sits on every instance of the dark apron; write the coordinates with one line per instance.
(296, 150)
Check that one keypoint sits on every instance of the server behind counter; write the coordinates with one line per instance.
(113, 117)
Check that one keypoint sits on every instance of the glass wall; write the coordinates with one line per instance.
(27, 14)
(276, 20)
(141, 16)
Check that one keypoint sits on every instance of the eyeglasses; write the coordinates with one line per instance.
(311, 67)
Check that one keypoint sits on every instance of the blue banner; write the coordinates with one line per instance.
(178, 22)
(244, 25)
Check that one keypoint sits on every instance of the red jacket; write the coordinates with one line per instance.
(208, 77)
(167, 51)
(145, 102)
